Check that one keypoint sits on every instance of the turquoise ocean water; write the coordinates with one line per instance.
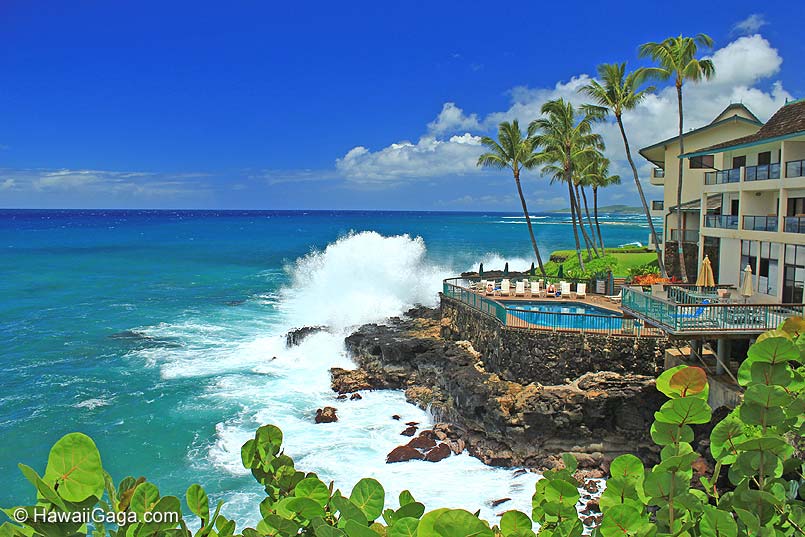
(161, 335)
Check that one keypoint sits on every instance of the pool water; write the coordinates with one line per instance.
(565, 315)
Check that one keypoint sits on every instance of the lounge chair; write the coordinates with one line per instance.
(564, 287)
(581, 290)
(548, 292)
(615, 298)
(535, 288)
(505, 287)
(519, 289)
(489, 288)
(696, 319)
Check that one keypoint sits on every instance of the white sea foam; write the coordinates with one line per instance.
(93, 403)
(244, 367)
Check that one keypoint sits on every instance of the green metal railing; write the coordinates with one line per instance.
(511, 316)
(710, 317)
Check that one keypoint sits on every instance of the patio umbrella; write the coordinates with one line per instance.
(533, 270)
(481, 271)
(746, 286)
(706, 278)
(561, 272)
(506, 269)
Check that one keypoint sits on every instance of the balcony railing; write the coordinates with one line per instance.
(658, 173)
(723, 221)
(709, 315)
(657, 205)
(762, 172)
(795, 168)
(721, 177)
(795, 224)
(760, 223)
(688, 235)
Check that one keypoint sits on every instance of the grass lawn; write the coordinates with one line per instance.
(619, 260)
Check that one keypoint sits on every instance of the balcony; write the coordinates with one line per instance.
(762, 172)
(795, 224)
(722, 221)
(795, 168)
(760, 223)
(688, 235)
(722, 177)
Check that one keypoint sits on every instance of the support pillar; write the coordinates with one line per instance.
(723, 355)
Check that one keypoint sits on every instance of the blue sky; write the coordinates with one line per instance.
(349, 105)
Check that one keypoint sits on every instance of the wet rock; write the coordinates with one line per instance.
(341, 397)
(355, 397)
(296, 336)
(409, 431)
(422, 442)
(457, 446)
(593, 506)
(396, 417)
(591, 486)
(402, 454)
(354, 380)
(440, 452)
(500, 501)
(326, 415)
(412, 423)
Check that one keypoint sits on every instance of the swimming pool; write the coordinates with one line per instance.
(564, 315)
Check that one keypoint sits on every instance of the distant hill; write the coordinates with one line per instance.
(612, 209)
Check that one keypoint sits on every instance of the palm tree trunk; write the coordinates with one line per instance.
(528, 221)
(587, 240)
(639, 186)
(573, 219)
(683, 272)
(597, 226)
(589, 220)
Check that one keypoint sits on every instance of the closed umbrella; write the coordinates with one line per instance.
(506, 269)
(746, 286)
(481, 271)
(706, 278)
(561, 273)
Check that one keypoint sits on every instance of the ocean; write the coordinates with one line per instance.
(161, 334)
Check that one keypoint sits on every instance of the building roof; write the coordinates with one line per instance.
(788, 121)
(733, 112)
(713, 202)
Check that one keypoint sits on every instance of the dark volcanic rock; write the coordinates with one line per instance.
(409, 431)
(422, 442)
(403, 453)
(396, 417)
(296, 336)
(355, 397)
(326, 415)
(500, 501)
(440, 452)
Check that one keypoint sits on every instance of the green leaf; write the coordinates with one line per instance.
(561, 492)
(515, 524)
(766, 396)
(461, 523)
(303, 508)
(773, 350)
(427, 522)
(313, 488)
(353, 529)
(627, 467)
(724, 437)
(406, 497)
(198, 502)
(717, 523)
(144, 499)
(327, 531)
(44, 490)
(684, 411)
(282, 525)
(663, 382)
(268, 441)
(669, 433)
(410, 510)
(369, 496)
(166, 505)
(753, 413)
(765, 373)
(571, 464)
(621, 520)
(403, 527)
(74, 468)
(348, 510)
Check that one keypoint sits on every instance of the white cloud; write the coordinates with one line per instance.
(750, 24)
(451, 120)
(429, 157)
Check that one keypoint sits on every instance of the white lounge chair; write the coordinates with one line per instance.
(581, 290)
(535, 290)
(505, 287)
(564, 287)
(519, 289)
(615, 298)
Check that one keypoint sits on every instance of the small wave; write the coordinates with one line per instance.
(93, 403)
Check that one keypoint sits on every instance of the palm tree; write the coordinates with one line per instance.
(515, 152)
(676, 57)
(565, 140)
(618, 91)
(597, 176)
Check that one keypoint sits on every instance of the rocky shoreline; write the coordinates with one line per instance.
(595, 416)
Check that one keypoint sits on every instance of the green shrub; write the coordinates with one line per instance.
(752, 447)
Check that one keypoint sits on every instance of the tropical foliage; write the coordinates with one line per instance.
(756, 488)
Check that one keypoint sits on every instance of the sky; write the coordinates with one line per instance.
(340, 105)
